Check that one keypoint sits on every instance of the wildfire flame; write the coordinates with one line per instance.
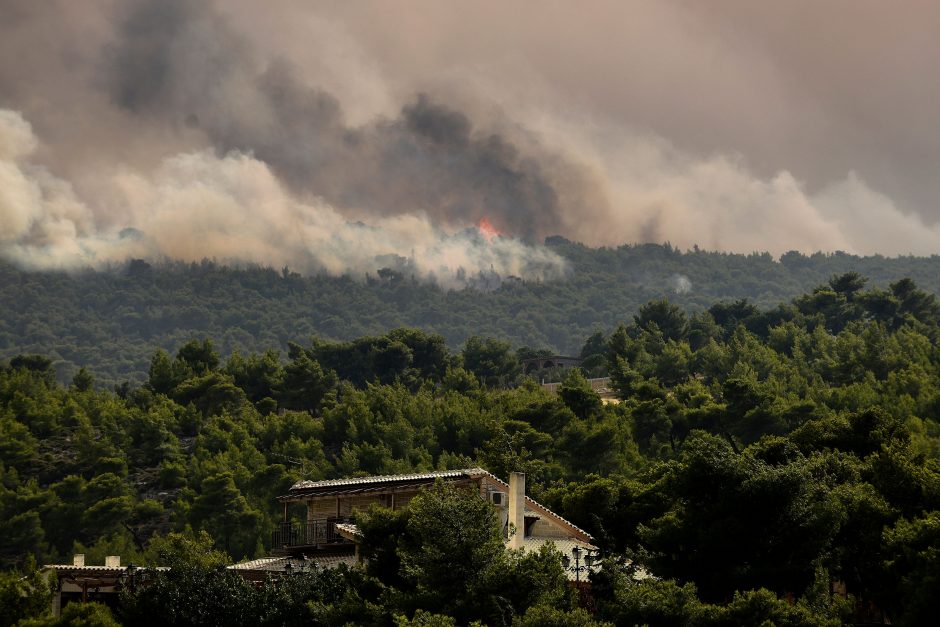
(487, 230)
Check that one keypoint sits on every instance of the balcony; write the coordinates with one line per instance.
(311, 534)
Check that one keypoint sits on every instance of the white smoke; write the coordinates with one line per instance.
(680, 284)
(542, 130)
(659, 193)
(872, 222)
(40, 217)
(232, 208)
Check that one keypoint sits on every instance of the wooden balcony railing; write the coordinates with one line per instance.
(311, 533)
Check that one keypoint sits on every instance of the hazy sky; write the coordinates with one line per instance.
(322, 134)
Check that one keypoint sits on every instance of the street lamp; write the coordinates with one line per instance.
(588, 555)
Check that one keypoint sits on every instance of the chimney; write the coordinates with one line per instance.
(517, 508)
(78, 559)
(112, 561)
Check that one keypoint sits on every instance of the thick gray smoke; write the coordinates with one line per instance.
(348, 137)
(429, 158)
(282, 161)
(233, 208)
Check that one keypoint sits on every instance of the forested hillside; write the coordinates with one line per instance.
(754, 456)
(113, 320)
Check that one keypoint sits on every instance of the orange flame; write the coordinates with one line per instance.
(487, 230)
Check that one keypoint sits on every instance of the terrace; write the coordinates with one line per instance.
(312, 534)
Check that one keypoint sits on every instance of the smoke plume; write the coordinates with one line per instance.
(680, 284)
(344, 138)
(233, 208)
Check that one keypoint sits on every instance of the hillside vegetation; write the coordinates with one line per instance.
(113, 320)
(755, 454)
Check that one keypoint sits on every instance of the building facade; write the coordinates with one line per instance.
(325, 525)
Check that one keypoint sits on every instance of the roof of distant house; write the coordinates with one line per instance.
(311, 486)
(279, 564)
(100, 570)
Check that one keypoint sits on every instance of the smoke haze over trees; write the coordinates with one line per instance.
(111, 320)
(298, 135)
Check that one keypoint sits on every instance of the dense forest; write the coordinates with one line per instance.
(112, 320)
(759, 456)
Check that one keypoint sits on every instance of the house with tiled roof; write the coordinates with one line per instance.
(325, 528)
(325, 534)
(79, 582)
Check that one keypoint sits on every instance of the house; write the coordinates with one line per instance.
(601, 385)
(80, 582)
(534, 364)
(325, 530)
(326, 535)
